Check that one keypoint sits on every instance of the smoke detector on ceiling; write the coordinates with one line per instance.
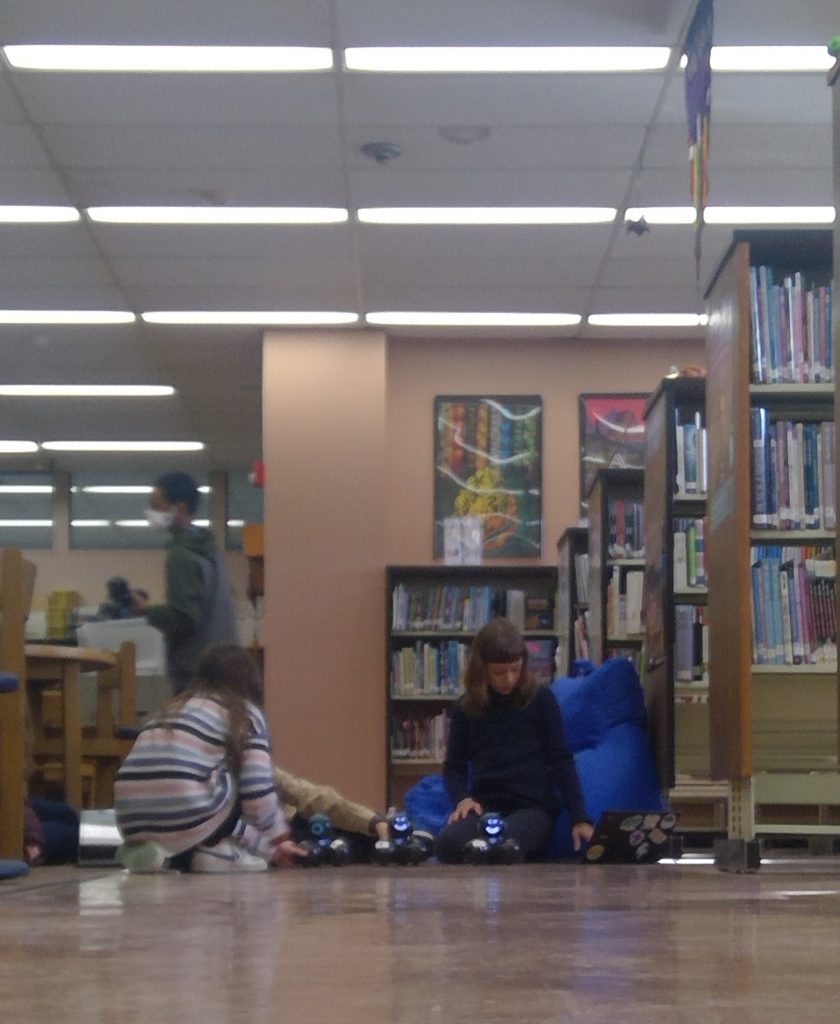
(382, 152)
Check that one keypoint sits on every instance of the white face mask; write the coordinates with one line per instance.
(160, 520)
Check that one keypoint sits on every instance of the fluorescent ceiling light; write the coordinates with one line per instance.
(123, 446)
(86, 390)
(266, 318)
(661, 214)
(26, 489)
(419, 319)
(38, 214)
(487, 215)
(126, 489)
(254, 59)
(647, 320)
(17, 447)
(26, 522)
(771, 58)
(217, 214)
(65, 316)
(236, 523)
(90, 522)
(769, 215)
(505, 59)
(141, 523)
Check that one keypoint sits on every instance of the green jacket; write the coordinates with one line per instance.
(200, 609)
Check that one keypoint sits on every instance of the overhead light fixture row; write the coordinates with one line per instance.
(18, 447)
(647, 319)
(126, 489)
(505, 59)
(171, 59)
(24, 523)
(26, 489)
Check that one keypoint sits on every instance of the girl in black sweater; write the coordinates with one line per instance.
(507, 751)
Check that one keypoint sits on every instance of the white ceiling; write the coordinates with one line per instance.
(295, 140)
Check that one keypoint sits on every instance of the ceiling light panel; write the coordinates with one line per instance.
(169, 59)
(647, 319)
(38, 214)
(66, 316)
(478, 215)
(505, 59)
(224, 215)
(86, 390)
(265, 318)
(771, 58)
(17, 447)
(478, 319)
(122, 446)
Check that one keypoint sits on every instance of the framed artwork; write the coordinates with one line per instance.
(612, 434)
(488, 463)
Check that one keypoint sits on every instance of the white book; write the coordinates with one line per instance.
(680, 562)
(680, 446)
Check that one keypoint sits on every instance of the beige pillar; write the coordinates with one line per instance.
(324, 400)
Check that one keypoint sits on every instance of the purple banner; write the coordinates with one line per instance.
(698, 100)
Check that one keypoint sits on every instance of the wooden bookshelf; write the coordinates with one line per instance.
(759, 725)
(572, 609)
(676, 689)
(433, 614)
(612, 486)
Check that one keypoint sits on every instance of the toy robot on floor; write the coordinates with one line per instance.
(322, 847)
(404, 845)
(491, 847)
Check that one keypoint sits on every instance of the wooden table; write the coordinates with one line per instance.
(49, 666)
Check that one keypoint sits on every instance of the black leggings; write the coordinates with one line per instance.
(531, 827)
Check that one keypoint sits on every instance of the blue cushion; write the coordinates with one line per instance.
(13, 868)
(8, 682)
(428, 804)
(593, 703)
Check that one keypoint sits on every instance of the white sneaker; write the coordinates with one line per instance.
(143, 858)
(224, 857)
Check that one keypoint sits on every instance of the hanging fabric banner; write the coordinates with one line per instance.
(698, 104)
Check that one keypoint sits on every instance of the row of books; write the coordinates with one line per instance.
(626, 528)
(451, 607)
(692, 450)
(689, 554)
(582, 578)
(624, 602)
(419, 736)
(793, 476)
(691, 644)
(631, 654)
(793, 605)
(581, 635)
(791, 328)
(429, 668)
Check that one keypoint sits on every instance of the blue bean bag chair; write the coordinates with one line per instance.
(606, 726)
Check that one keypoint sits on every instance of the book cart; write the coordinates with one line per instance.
(433, 614)
(773, 694)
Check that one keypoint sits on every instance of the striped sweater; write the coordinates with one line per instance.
(176, 787)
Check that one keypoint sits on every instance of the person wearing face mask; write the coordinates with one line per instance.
(200, 606)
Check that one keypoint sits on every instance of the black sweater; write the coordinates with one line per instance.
(510, 758)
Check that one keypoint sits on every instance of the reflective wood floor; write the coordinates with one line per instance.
(568, 944)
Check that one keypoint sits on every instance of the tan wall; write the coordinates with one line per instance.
(348, 444)
(559, 371)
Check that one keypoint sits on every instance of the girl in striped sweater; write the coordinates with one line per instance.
(197, 791)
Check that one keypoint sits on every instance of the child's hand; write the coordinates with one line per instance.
(582, 832)
(285, 853)
(465, 807)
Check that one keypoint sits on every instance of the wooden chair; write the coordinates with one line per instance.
(17, 580)
(105, 744)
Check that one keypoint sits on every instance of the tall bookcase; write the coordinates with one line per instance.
(616, 563)
(676, 634)
(572, 597)
(433, 615)
(773, 673)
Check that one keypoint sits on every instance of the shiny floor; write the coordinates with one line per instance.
(567, 944)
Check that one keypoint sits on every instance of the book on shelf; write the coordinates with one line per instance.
(791, 328)
(691, 644)
(625, 523)
(541, 660)
(419, 736)
(581, 636)
(582, 578)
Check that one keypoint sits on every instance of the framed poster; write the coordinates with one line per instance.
(612, 434)
(488, 463)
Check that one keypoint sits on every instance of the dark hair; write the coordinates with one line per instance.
(228, 673)
(179, 487)
(497, 643)
(118, 589)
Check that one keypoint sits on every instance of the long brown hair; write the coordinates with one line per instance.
(230, 675)
(497, 643)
